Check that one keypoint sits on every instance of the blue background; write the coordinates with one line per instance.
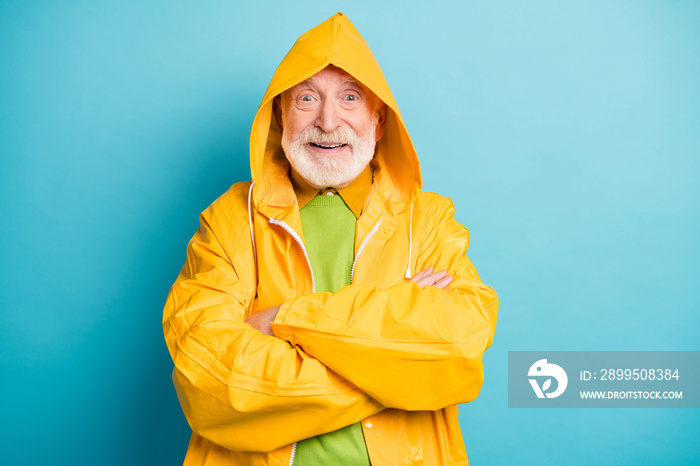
(567, 134)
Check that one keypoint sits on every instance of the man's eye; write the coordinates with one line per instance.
(351, 97)
(306, 98)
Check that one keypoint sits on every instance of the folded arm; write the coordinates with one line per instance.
(239, 388)
(408, 347)
(262, 321)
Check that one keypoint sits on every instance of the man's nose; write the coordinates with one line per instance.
(329, 116)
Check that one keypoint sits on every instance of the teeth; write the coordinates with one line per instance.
(327, 146)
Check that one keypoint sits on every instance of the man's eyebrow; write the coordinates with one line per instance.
(305, 82)
(350, 80)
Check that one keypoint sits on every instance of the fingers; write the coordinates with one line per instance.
(427, 277)
(421, 275)
(443, 282)
(262, 321)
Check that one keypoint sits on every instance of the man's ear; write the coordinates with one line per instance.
(277, 111)
(381, 121)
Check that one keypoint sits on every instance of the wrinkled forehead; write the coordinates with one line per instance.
(345, 78)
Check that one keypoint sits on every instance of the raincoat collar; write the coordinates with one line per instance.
(354, 195)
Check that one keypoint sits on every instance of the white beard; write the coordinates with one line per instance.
(332, 170)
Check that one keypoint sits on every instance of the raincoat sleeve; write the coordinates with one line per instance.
(409, 348)
(239, 388)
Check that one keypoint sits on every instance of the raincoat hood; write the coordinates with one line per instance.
(397, 176)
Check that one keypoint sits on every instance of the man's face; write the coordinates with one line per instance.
(330, 126)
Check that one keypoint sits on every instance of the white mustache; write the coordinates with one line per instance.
(340, 135)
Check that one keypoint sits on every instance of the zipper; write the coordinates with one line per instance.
(294, 235)
(362, 247)
(297, 238)
(294, 452)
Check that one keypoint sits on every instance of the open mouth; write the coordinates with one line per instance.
(327, 146)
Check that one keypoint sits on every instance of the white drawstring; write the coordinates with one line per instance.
(410, 244)
(250, 222)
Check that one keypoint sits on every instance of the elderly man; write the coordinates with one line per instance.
(299, 331)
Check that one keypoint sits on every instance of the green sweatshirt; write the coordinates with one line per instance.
(329, 237)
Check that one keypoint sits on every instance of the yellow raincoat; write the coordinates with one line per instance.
(381, 351)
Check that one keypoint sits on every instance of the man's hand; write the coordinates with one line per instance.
(262, 320)
(429, 278)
